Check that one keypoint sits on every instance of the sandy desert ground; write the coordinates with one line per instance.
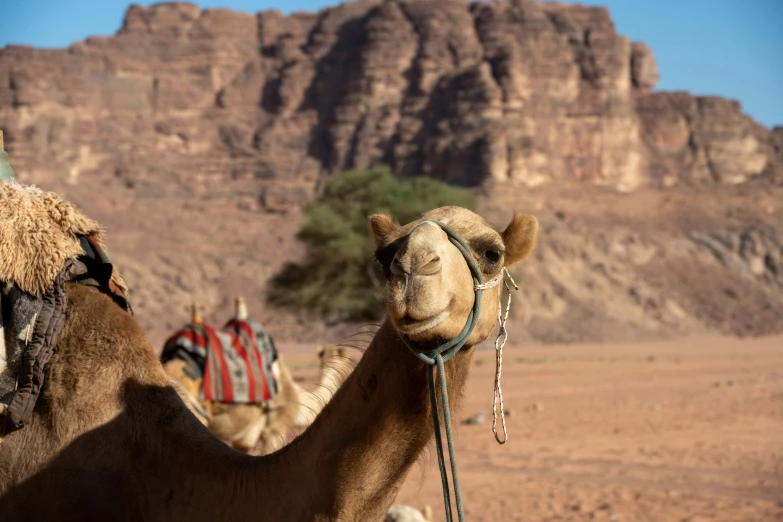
(676, 431)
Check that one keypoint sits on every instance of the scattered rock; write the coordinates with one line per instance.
(478, 418)
(757, 265)
(402, 513)
(537, 406)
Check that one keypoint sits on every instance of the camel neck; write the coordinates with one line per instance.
(362, 445)
(146, 457)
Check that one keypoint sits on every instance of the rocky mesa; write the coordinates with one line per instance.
(197, 135)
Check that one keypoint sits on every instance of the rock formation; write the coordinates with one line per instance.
(193, 102)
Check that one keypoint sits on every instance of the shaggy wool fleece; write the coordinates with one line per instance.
(37, 234)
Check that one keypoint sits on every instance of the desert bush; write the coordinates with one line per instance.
(339, 277)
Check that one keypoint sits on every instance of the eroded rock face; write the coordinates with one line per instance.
(703, 140)
(190, 102)
(775, 167)
(644, 68)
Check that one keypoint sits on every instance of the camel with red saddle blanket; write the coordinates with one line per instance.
(108, 438)
(237, 384)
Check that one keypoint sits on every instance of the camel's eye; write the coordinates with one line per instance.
(493, 256)
(384, 257)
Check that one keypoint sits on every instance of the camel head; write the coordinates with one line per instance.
(429, 287)
(329, 351)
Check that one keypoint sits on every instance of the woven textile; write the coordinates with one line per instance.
(234, 365)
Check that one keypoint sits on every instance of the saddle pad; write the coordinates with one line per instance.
(252, 335)
(231, 371)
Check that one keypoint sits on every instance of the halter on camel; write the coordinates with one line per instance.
(436, 357)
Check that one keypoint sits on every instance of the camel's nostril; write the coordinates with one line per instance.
(415, 257)
(430, 267)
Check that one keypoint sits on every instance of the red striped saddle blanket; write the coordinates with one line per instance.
(235, 363)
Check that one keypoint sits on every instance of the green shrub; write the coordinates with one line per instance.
(338, 280)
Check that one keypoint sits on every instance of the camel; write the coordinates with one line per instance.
(110, 439)
(295, 408)
(263, 428)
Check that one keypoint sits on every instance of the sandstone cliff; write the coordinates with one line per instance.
(190, 124)
(183, 99)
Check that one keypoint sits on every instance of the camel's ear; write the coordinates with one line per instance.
(319, 350)
(380, 226)
(520, 237)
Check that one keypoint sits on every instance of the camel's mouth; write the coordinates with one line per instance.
(410, 326)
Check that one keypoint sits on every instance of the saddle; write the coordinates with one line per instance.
(45, 242)
(234, 363)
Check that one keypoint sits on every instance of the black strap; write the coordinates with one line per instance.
(99, 270)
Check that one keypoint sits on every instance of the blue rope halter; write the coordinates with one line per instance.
(436, 357)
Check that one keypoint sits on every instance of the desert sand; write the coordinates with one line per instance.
(664, 431)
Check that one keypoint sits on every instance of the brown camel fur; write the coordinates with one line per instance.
(264, 428)
(110, 439)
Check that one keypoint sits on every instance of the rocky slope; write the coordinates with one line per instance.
(196, 137)
(651, 265)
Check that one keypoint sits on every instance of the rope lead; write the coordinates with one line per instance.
(436, 358)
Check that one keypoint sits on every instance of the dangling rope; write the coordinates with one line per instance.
(436, 357)
(497, 393)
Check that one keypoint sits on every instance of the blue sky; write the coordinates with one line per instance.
(732, 48)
